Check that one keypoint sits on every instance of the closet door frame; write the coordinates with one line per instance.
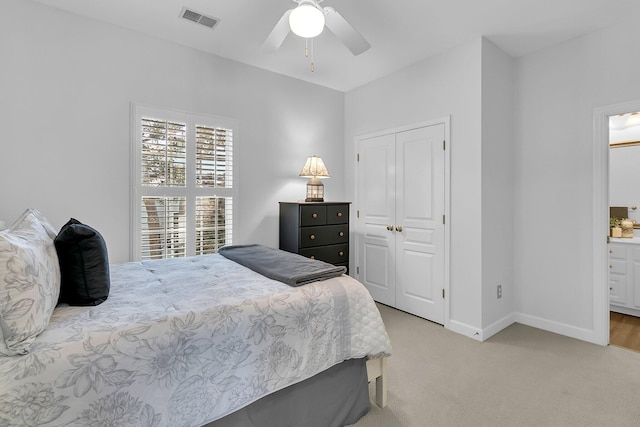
(357, 232)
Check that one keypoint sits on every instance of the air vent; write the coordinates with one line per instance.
(198, 18)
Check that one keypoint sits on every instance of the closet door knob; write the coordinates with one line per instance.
(399, 229)
(390, 227)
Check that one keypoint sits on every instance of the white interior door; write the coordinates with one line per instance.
(419, 222)
(376, 195)
(401, 244)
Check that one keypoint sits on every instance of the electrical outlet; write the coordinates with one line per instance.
(499, 291)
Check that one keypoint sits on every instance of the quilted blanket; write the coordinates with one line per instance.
(183, 342)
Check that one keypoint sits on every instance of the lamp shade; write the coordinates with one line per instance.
(306, 20)
(314, 168)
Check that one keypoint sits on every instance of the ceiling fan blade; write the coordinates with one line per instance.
(345, 31)
(278, 34)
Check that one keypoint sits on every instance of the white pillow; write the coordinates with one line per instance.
(29, 281)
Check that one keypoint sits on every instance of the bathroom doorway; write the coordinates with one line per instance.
(624, 246)
(603, 118)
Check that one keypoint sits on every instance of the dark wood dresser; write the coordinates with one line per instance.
(318, 230)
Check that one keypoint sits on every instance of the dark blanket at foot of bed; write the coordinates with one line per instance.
(336, 397)
(286, 267)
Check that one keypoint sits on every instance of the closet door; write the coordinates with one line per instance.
(376, 195)
(419, 222)
(400, 225)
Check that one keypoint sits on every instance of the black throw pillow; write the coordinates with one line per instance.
(84, 265)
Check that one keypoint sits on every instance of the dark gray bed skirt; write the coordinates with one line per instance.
(336, 397)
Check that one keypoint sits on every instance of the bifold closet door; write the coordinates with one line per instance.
(401, 204)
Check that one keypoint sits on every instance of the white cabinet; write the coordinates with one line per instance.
(624, 276)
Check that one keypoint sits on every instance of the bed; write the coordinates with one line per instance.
(187, 342)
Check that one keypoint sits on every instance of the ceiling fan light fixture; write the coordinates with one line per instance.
(306, 20)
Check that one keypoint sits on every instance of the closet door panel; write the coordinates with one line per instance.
(376, 187)
(419, 216)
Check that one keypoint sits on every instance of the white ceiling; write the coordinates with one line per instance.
(401, 32)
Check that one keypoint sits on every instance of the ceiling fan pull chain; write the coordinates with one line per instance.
(306, 48)
(312, 64)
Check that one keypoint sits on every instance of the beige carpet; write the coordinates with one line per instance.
(520, 377)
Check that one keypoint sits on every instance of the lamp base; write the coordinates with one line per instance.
(315, 191)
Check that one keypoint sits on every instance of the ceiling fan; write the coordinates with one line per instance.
(308, 19)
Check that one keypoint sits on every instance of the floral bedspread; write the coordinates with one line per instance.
(184, 342)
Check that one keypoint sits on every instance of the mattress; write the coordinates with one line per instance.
(183, 342)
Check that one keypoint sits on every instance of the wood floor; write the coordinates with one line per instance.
(624, 331)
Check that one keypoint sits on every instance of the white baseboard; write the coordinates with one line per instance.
(557, 327)
(497, 326)
(482, 334)
(525, 319)
(466, 330)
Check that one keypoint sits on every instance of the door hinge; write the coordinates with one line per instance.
(444, 145)
(443, 220)
(358, 157)
(608, 239)
(358, 213)
(442, 293)
(358, 270)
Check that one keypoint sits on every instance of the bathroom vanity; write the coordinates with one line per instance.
(624, 275)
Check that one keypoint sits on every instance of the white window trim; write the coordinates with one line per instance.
(191, 191)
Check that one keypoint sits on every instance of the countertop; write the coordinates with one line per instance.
(635, 240)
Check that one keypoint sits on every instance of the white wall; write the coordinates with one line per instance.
(448, 84)
(497, 188)
(67, 84)
(556, 91)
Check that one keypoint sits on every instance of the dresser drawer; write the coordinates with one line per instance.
(617, 251)
(313, 215)
(618, 267)
(334, 254)
(337, 214)
(325, 235)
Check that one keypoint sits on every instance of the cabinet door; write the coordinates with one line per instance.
(617, 289)
(634, 259)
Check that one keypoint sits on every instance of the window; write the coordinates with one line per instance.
(182, 183)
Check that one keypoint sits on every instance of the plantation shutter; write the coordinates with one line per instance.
(214, 157)
(213, 224)
(183, 183)
(163, 227)
(164, 155)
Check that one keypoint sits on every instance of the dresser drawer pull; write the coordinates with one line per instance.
(339, 214)
(312, 257)
(341, 234)
(341, 253)
(312, 237)
(314, 215)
